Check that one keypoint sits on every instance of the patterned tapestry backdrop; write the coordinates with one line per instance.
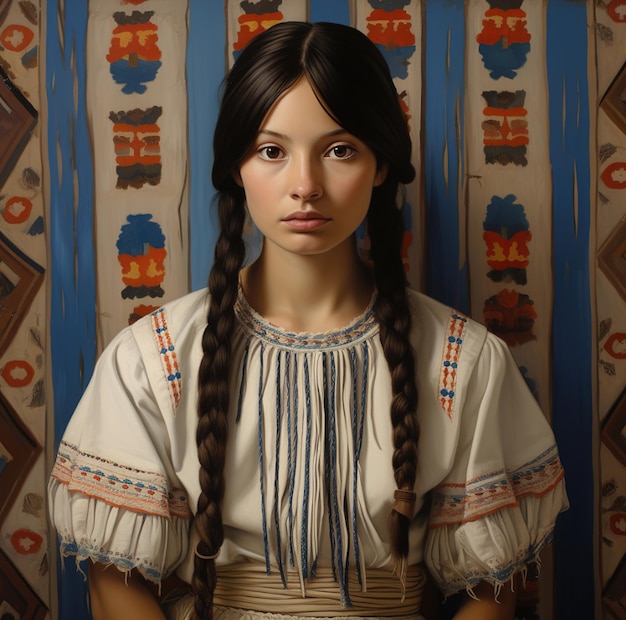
(138, 127)
(502, 222)
(25, 557)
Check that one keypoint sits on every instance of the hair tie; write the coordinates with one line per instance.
(404, 502)
(206, 557)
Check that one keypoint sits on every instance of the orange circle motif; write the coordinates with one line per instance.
(16, 37)
(17, 209)
(26, 542)
(17, 373)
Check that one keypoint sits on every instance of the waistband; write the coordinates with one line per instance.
(248, 587)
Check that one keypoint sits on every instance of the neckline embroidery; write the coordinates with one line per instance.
(359, 329)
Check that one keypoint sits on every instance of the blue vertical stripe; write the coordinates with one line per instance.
(72, 261)
(277, 498)
(261, 441)
(337, 11)
(444, 85)
(304, 542)
(292, 450)
(566, 53)
(206, 64)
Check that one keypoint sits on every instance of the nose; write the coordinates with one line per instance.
(306, 181)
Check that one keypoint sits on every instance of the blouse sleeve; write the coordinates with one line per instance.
(496, 509)
(113, 493)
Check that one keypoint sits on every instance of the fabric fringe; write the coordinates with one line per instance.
(284, 546)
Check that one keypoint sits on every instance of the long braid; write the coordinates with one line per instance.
(213, 399)
(394, 317)
(327, 55)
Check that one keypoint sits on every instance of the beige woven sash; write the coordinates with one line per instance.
(247, 586)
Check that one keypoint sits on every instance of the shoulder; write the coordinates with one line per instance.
(451, 352)
(179, 320)
(168, 342)
(438, 328)
(183, 313)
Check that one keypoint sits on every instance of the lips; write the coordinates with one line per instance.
(305, 215)
(304, 221)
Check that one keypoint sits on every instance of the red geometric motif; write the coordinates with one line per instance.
(617, 523)
(505, 128)
(134, 41)
(140, 311)
(146, 270)
(17, 373)
(511, 316)
(508, 127)
(617, 11)
(16, 37)
(17, 209)
(26, 542)
(499, 25)
(614, 176)
(141, 145)
(507, 253)
(137, 146)
(390, 28)
(252, 24)
(615, 346)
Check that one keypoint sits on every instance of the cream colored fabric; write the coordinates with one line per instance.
(485, 451)
(245, 588)
(231, 613)
(183, 610)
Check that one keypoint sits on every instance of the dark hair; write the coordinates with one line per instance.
(352, 81)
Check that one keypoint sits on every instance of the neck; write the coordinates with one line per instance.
(308, 293)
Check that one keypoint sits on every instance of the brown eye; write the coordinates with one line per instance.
(270, 152)
(341, 151)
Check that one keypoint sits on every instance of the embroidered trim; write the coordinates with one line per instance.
(455, 330)
(167, 355)
(125, 562)
(497, 574)
(454, 504)
(117, 485)
(362, 327)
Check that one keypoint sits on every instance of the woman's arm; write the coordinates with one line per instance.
(121, 596)
(487, 608)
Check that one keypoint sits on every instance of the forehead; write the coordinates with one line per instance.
(298, 109)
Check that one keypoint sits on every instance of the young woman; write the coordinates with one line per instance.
(309, 438)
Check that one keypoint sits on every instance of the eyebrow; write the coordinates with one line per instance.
(330, 134)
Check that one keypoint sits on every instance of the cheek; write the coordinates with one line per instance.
(254, 185)
(362, 189)
(359, 184)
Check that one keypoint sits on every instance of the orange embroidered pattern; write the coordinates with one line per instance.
(454, 504)
(450, 358)
(118, 485)
(168, 355)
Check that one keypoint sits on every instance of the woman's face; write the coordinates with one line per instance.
(308, 182)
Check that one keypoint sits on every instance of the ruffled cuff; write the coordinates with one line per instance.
(91, 529)
(117, 515)
(496, 546)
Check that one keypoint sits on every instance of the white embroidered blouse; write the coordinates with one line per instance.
(308, 470)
